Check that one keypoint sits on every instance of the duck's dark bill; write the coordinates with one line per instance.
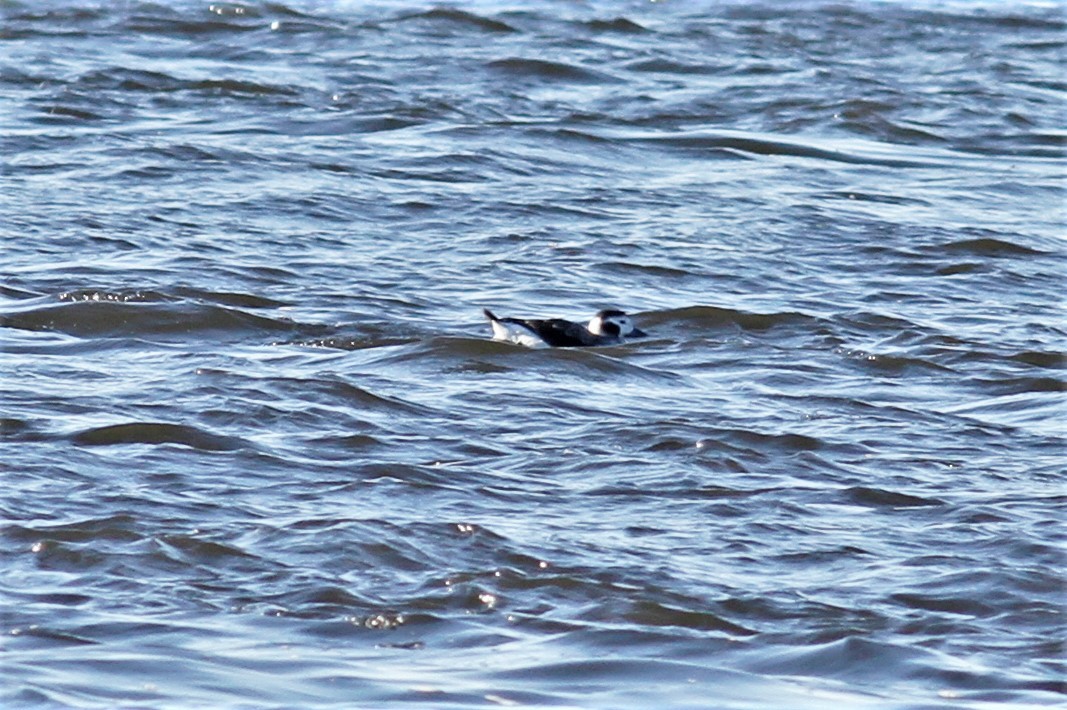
(637, 333)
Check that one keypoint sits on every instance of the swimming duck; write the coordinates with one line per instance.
(607, 327)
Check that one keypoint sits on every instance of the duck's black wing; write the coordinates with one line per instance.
(561, 333)
(555, 332)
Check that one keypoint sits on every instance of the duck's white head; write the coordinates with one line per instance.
(614, 324)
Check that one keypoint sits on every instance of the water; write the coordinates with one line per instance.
(260, 453)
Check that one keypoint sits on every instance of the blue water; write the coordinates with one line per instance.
(259, 450)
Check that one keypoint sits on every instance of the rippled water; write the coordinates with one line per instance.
(260, 453)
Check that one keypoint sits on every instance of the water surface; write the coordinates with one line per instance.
(260, 453)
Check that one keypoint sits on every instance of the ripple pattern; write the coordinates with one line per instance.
(259, 451)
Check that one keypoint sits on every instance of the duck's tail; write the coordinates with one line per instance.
(489, 314)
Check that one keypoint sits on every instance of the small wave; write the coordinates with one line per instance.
(1020, 385)
(619, 24)
(62, 17)
(944, 604)
(10, 292)
(63, 112)
(157, 433)
(866, 321)
(696, 318)
(876, 198)
(891, 364)
(747, 441)
(649, 613)
(1039, 410)
(331, 602)
(551, 71)
(187, 155)
(993, 16)
(571, 134)
(96, 295)
(869, 153)
(236, 87)
(229, 298)
(202, 551)
(128, 79)
(333, 391)
(606, 362)
(226, 18)
(170, 23)
(14, 429)
(667, 66)
(821, 556)
(968, 267)
(1038, 358)
(53, 637)
(461, 18)
(456, 354)
(879, 498)
(452, 348)
(658, 271)
(350, 442)
(113, 315)
(119, 527)
(365, 342)
(847, 658)
(988, 246)
(605, 674)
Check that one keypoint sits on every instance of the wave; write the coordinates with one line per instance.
(1041, 358)
(155, 433)
(333, 390)
(463, 354)
(668, 66)
(891, 364)
(697, 318)
(868, 153)
(551, 71)
(90, 86)
(619, 25)
(880, 498)
(194, 550)
(1020, 385)
(651, 613)
(461, 19)
(987, 246)
(119, 527)
(95, 314)
(855, 658)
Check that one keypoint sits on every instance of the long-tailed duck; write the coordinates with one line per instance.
(608, 327)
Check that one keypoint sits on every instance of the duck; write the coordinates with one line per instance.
(607, 327)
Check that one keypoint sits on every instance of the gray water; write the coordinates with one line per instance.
(259, 451)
